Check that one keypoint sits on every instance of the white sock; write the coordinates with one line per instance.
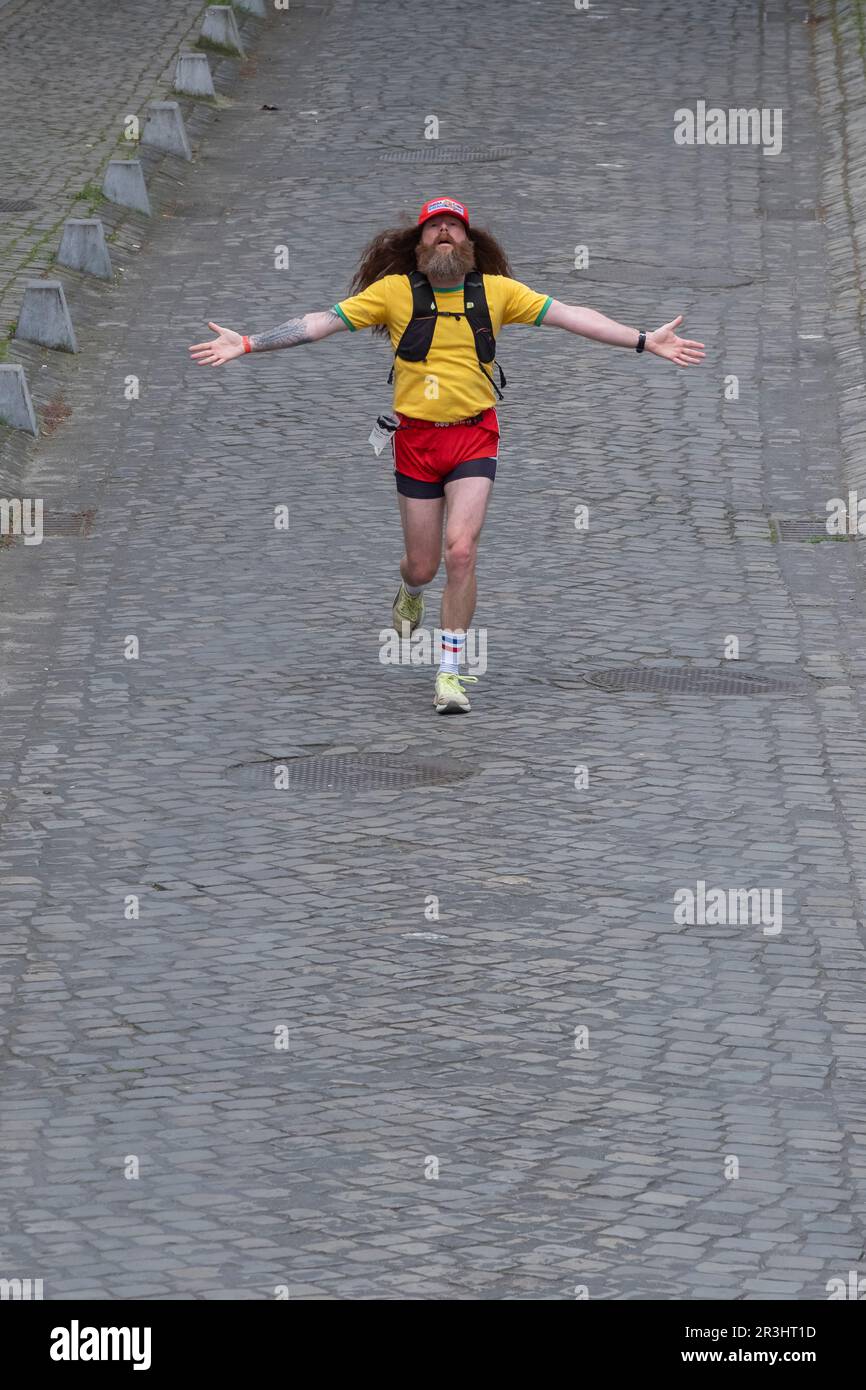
(452, 652)
(413, 589)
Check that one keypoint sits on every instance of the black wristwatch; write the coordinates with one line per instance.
(641, 341)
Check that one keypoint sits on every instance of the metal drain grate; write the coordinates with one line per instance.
(690, 681)
(792, 212)
(639, 273)
(68, 523)
(17, 205)
(452, 154)
(346, 772)
(809, 529)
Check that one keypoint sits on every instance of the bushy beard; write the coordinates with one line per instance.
(446, 264)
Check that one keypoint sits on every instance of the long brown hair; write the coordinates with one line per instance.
(392, 252)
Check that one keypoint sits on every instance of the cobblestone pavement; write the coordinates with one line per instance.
(71, 75)
(561, 1167)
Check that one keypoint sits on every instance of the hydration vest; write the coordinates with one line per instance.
(417, 337)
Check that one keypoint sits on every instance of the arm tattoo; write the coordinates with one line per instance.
(292, 333)
(289, 334)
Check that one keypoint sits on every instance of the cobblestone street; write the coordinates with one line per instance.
(100, 62)
(568, 1163)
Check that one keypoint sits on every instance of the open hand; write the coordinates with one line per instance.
(219, 350)
(664, 342)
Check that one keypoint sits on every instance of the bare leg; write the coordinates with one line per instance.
(467, 505)
(422, 519)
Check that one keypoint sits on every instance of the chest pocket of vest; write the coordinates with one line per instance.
(417, 337)
(485, 343)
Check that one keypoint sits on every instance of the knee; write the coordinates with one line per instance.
(421, 571)
(460, 553)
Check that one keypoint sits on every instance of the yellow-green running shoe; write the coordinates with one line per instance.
(450, 697)
(408, 608)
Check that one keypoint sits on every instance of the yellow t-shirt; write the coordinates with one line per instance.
(450, 384)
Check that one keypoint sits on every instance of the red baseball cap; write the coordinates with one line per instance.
(440, 207)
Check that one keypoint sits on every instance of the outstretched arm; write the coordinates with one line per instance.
(309, 328)
(664, 342)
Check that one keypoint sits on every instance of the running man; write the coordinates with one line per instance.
(442, 291)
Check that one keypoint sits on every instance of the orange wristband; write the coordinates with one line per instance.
(246, 343)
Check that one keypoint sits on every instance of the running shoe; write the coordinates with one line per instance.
(408, 608)
(450, 697)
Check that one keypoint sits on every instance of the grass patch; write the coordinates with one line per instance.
(92, 193)
(93, 196)
(208, 46)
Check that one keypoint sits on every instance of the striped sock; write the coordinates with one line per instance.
(452, 652)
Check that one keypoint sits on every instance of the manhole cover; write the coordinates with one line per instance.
(811, 529)
(451, 154)
(346, 772)
(17, 205)
(690, 681)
